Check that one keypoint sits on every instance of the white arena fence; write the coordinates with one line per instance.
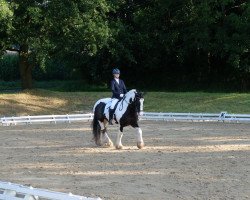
(203, 117)
(46, 119)
(11, 191)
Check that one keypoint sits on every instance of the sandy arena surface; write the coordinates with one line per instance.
(180, 161)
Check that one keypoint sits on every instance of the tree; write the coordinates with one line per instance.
(26, 35)
(41, 29)
(6, 15)
(78, 31)
(203, 43)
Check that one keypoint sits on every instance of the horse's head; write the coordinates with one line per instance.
(139, 102)
(136, 98)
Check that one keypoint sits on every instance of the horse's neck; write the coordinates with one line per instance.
(124, 103)
(131, 109)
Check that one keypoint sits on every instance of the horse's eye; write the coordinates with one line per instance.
(130, 100)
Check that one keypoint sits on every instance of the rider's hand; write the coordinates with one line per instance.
(121, 95)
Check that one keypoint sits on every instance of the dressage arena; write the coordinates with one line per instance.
(181, 160)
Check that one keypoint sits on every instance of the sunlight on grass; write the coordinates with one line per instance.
(36, 102)
(197, 102)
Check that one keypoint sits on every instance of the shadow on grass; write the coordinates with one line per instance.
(54, 85)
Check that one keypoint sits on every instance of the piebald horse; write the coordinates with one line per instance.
(126, 113)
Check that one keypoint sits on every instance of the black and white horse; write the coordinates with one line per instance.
(126, 113)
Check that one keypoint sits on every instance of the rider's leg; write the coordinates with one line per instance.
(111, 113)
(112, 110)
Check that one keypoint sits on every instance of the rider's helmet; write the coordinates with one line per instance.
(116, 71)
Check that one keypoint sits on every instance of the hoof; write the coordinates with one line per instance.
(118, 146)
(140, 145)
(108, 144)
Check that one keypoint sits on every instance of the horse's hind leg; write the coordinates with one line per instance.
(106, 142)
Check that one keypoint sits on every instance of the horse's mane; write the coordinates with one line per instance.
(130, 93)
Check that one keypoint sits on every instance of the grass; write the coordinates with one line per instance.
(41, 101)
(37, 102)
(197, 102)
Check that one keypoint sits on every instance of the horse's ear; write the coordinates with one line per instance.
(141, 94)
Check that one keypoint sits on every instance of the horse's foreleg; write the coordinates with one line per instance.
(140, 143)
(106, 142)
(118, 144)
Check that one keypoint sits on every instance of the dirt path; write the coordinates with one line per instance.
(180, 161)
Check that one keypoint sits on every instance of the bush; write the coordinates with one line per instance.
(9, 70)
(53, 70)
(49, 70)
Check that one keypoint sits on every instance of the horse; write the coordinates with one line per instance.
(127, 112)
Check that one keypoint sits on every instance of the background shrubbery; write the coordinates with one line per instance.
(165, 45)
(9, 68)
(49, 70)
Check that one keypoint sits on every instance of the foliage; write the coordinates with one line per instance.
(8, 67)
(194, 43)
(54, 29)
(6, 15)
(165, 44)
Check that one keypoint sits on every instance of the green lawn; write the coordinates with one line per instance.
(197, 102)
(40, 101)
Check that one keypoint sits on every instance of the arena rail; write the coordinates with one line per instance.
(45, 119)
(204, 117)
(11, 191)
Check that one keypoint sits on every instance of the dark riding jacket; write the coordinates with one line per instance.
(118, 89)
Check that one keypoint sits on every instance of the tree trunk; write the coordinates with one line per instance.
(25, 68)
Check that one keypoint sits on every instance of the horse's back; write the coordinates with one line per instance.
(104, 100)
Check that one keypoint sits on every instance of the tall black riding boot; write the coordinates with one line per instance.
(111, 114)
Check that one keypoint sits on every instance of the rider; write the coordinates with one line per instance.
(118, 89)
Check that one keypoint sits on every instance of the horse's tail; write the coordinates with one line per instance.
(96, 128)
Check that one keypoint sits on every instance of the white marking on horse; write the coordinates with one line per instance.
(106, 142)
(141, 107)
(122, 106)
(105, 100)
(140, 142)
(118, 144)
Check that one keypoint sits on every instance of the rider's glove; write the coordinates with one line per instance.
(121, 95)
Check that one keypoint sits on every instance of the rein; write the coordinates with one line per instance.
(123, 99)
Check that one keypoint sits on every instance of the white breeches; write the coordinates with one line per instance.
(113, 102)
